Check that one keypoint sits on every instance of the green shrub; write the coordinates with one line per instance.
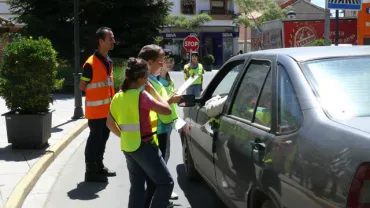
(118, 72)
(319, 42)
(208, 59)
(28, 75)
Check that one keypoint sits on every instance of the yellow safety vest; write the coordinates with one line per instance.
(165, 119)
(170, 88)
(124, 109)
(198, 71)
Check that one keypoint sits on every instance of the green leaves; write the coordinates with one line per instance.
(28, 75)
(258, 11)
(183, 22)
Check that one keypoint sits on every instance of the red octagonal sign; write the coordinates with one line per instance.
(191, 43)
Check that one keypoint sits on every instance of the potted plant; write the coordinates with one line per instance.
(27, 80)
(207, 62)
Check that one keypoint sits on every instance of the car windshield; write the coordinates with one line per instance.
(342, 84)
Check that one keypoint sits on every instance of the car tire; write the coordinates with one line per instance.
(190, 171)
(268, 204)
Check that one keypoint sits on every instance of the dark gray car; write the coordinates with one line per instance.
(294, 131)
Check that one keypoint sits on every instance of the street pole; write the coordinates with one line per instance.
(327, 23)
(78, 112)
(245, 39)
(336, 27)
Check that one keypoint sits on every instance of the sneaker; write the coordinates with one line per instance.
(174, 196)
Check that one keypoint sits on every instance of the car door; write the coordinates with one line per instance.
(247, 120)
(201, 134)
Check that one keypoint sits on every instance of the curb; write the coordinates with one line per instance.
(26, 184)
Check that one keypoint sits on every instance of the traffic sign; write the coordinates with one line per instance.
(345, 4)
(191, 43)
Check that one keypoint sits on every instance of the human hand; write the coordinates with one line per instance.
(176, 98)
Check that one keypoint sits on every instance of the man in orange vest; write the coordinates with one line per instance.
(97, 82)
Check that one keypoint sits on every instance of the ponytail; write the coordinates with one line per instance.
(125, 84)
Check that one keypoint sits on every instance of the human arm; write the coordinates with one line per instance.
(159, 104)
(86, 76)
(111, 124)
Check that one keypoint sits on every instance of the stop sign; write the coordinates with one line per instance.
(191, 43)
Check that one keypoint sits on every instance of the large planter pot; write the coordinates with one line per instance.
(30, 131)
(207, 67)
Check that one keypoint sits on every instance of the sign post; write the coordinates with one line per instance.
(191, 43)
(342, 5)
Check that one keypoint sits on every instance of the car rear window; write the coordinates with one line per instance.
(342, 85)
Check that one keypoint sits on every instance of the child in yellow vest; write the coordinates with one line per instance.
(129, 118)
(154, 55)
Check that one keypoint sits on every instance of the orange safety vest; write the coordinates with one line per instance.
(100, 91)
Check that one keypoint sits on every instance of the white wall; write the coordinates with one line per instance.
(202, 5)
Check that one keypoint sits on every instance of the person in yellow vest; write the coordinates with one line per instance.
(192, 69)
(154, 55)
(169, 84)
(130, 119)
(97, 82)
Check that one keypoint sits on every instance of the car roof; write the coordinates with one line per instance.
(302, 54)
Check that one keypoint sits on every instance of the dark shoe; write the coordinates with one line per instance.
(105, 171)
(174, 196)
(170, 204)
(92, 174)
(95, 177)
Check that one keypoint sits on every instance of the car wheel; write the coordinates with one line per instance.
(268, 204)
(190, 171)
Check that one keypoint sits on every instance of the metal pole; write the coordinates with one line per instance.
(78, 112)
(337, 27)
(327, 23)
(245, 39)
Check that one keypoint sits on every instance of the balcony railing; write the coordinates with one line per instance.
(218, 11)
(220, 14)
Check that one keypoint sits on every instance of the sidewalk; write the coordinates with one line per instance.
(15, 164)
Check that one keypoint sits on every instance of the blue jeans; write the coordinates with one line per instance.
(194, 90)
(148, 161)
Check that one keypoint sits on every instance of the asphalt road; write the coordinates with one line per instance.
(69, 189)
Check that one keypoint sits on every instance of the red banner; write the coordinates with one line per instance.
(304, 33)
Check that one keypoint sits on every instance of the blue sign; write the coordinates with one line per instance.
(368, 10)
(345, 4)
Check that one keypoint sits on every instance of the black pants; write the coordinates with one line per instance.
(95, 145)
(150, 185)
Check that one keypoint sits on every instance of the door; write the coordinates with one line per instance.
(244, 127)
(201, 132)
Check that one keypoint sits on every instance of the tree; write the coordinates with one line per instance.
(134, 23)
(192, 24)
(258, 11)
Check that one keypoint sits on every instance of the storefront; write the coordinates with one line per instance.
(299, 33)
(222, 45)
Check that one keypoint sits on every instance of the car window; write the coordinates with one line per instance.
(227, 82)
(289, 112)
(249, 89)
(342, 85)
(263, 111)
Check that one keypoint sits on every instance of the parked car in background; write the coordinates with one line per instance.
(294, 131)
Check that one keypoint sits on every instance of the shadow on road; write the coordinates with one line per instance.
(198, 193)
(86, 191)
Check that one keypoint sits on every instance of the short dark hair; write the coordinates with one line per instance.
(150, 52)
(101, 33)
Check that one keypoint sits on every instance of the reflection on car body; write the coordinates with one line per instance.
(294, 130)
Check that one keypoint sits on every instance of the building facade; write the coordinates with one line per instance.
(218, 37)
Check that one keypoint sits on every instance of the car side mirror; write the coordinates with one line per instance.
(188, 101)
